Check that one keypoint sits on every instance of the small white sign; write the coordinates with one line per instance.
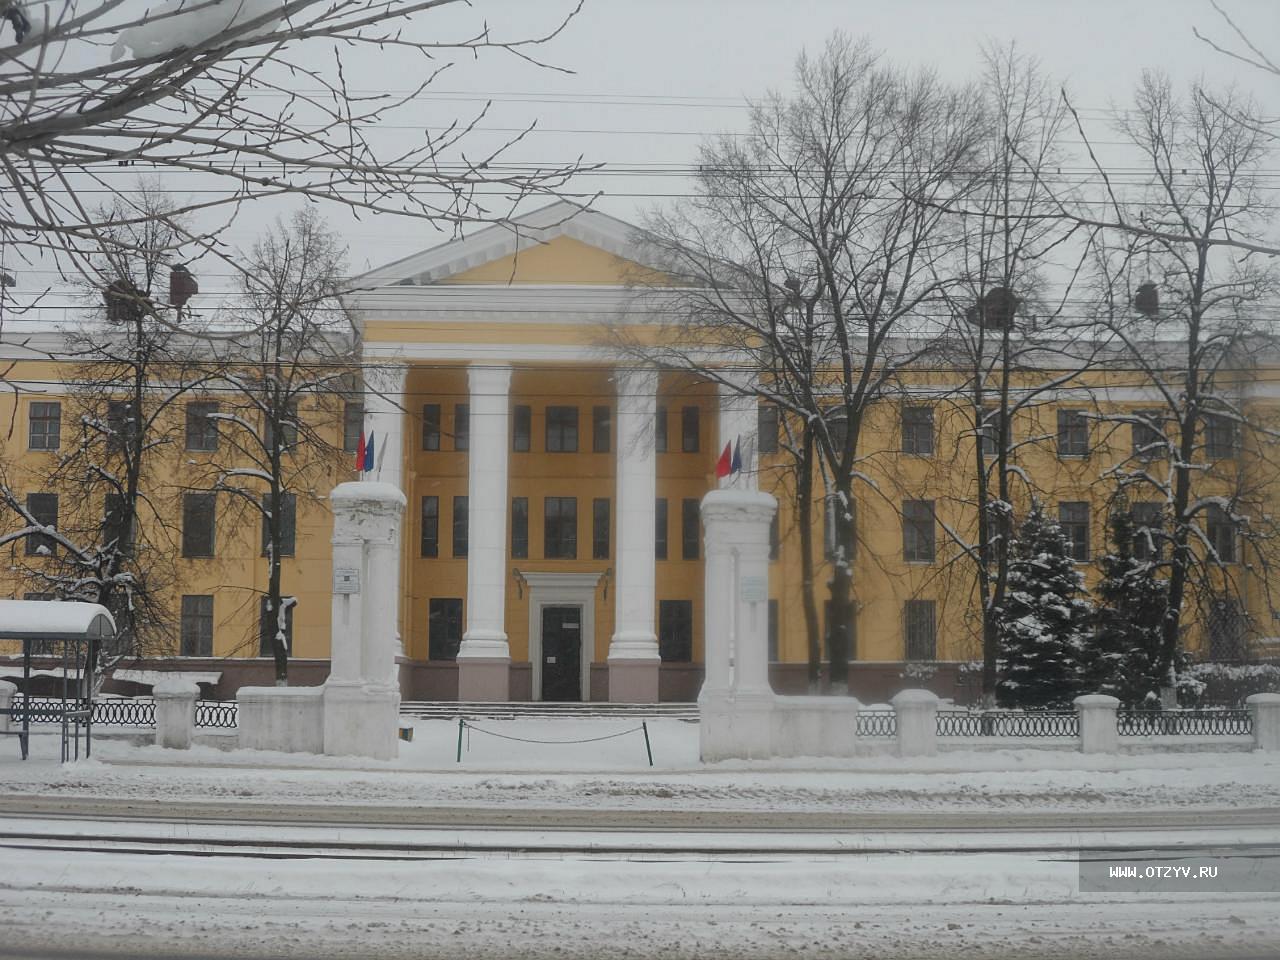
(346, 580)
(755, 589)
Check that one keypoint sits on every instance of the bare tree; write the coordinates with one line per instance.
(810, 243)
(1013, 338)
(260, 98)
(282, 378)
(114, 539)
(1187, 315)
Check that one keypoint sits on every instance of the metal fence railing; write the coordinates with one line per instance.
(130, 712)
(1184, 723)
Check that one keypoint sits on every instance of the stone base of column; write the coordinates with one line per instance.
(361, 720)
(735, 727)
(484, 679)
(633, 681)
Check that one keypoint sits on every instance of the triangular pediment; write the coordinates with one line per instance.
(560, 244)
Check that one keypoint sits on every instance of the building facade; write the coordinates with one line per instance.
(551, 547)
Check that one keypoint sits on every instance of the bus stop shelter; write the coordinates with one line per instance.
(70, 633)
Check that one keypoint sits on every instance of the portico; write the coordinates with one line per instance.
(545, 478)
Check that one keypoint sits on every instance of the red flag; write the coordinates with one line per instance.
(360, 453)
(725, 463)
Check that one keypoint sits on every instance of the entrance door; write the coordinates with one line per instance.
(562, 653)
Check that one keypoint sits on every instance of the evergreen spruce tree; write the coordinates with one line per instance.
(1122, 652)
(1043, 619)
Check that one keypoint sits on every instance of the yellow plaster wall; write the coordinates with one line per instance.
(562, 260)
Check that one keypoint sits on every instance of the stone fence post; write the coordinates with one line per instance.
(175, 712)
(916, 713)
(7, 692)
(1265, 710)
(1097, 716)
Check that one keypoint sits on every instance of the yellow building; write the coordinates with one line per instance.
(551, 548)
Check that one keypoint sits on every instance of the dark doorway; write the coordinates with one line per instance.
(562, 653)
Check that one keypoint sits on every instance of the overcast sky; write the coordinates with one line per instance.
(649, 79)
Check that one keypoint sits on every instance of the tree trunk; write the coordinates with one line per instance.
(804, 509)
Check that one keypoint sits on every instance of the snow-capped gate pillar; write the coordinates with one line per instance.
(736, 702)
(916, 718)
(175, 712)
(1096, 713)
(1264, 708)
(362, 694)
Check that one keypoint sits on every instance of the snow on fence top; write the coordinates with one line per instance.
(54, 620)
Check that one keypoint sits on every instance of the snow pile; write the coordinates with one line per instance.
(179, 24)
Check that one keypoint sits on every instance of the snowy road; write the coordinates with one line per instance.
(91, 887)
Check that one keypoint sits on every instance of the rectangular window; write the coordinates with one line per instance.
(775, 538)
(352, 425)
(444, 628)
(768, 427)
(459, 527)
(519, 528)
(1148, 539)
(196, 632)
(198, 522)
(430, 526)
(521, 428)
(560, 528)
(921, 629)
(202, 430)
(44, 426)
(773, 631)
(1221, 437)
(462, 426)
(660, 529)
(689, 528)
(1226, 629)
(562, 429)
(1148, 434)
(917, 431)
(1073, 434)
(660, 430)
(431, 426)
(675, 630)
(918, 531)
(43, 508)
(121, 424)
(600, 429)
(1221, 532)
(117, 529)
(689, 423)
(288, 421)
(990, 433)
(269, 625)
(288, 524)
(600, 528)
(1073, 518)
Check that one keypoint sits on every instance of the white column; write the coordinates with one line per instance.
(484, 658)
(385, 420)
(740, 427)
(633, 649)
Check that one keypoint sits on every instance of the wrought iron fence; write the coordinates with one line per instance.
(1039, 723)
(877, 723)
(132, 712)
(216, 713)
(1184, 723)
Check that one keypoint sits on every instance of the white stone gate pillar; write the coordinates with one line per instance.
(634, 661)
(736, 702)
(484, 658)
(362, 695)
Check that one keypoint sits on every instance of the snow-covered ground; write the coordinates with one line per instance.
(147, 852)
(614, 774)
